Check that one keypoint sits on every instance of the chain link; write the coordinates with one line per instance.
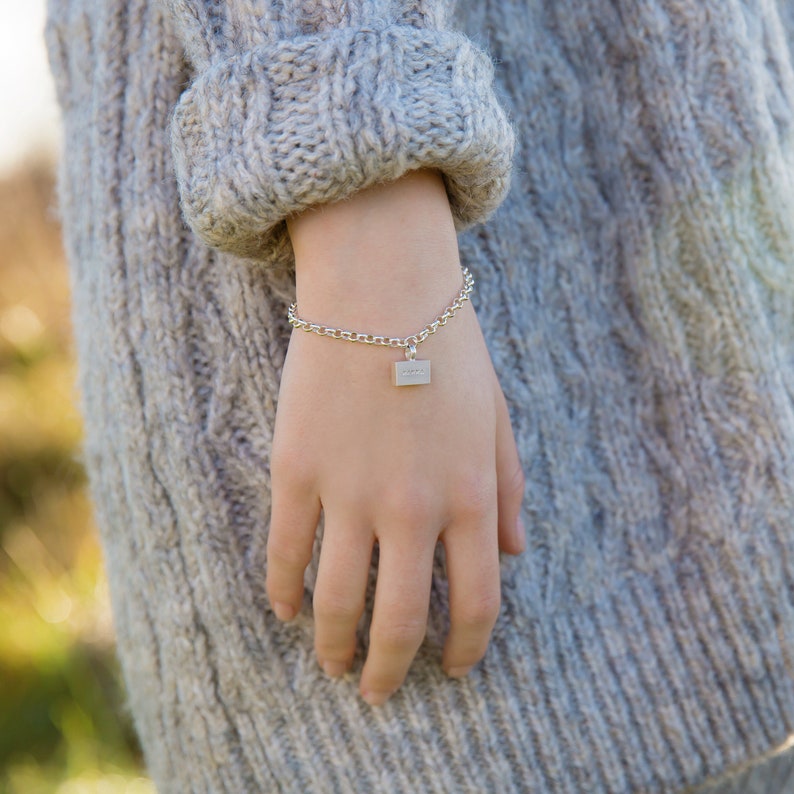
(388, 341)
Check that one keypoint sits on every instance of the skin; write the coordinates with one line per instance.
(403, 467)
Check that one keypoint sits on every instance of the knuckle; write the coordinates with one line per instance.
(475, 496)
(405, 633)
(283, 553)
(411, 504)
(335, 608)
(480, 612)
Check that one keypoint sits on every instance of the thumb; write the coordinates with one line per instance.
(509, 483)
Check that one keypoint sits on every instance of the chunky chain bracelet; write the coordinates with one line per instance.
(411, 372)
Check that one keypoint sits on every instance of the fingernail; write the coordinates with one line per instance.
(521, 534)
(458, 672)
(376, 698)
(284, 611)
(334, 669)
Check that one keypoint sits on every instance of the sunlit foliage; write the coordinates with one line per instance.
(64, 727)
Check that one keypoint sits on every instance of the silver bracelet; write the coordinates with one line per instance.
(411, 372)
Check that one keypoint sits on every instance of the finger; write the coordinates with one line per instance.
(509, 483)
(293, 522)
(339, 593)
(472, 563)
(399, 618)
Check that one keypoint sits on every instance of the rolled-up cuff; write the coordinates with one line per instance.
(271, 131)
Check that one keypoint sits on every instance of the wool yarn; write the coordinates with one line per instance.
(620, 173)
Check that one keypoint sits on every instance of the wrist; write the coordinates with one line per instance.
(387, 257)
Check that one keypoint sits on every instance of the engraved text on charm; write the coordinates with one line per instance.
(410, 373)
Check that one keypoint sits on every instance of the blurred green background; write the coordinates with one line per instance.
(63, 723)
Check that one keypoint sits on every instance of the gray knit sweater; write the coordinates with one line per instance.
(621, 173)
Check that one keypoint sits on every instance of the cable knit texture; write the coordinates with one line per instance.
(636, 291)
(280, 121)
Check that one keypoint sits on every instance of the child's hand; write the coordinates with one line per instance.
(406, 466)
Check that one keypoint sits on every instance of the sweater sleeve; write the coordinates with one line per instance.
(301, 102)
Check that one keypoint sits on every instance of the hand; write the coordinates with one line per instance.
(405, 466)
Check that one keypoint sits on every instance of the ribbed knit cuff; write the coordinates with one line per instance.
(309, 120)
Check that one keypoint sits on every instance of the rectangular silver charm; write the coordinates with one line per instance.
(410, 373)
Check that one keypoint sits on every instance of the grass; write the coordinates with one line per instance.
(63, 724)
